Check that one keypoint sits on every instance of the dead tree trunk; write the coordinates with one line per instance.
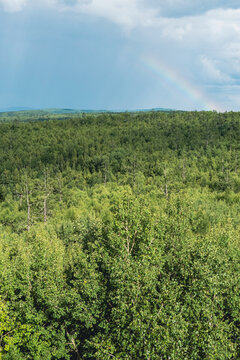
(28, 207)
(45, 210)
(166, 190)
(47, 193)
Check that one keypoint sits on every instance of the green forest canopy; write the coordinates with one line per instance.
(119, 236)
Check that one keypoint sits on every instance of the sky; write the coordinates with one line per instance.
(120, 54)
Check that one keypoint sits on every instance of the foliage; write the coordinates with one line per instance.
(119, 237)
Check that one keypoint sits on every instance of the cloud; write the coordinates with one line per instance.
(13, 5)
(213, 26)
(209, 22)
(216, 34)
(212, 72)
(183, 8)
(136, 13)
(164, 8)
(129, 13)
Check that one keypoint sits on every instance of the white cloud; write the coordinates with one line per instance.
(129, 13)
(182, 8)
(150, 13)
(211, 27)
(13, 5)
(215, 34)
(212, 71)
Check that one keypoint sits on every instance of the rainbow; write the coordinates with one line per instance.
(172, 76)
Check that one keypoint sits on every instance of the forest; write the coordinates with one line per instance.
(120, 236)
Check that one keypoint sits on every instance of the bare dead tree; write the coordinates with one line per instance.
(47, 193)
(28, 205)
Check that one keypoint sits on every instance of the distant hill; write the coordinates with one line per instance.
(14, 109)
(28, 115)
(22, 110)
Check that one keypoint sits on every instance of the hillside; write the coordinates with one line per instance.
(120, 236)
